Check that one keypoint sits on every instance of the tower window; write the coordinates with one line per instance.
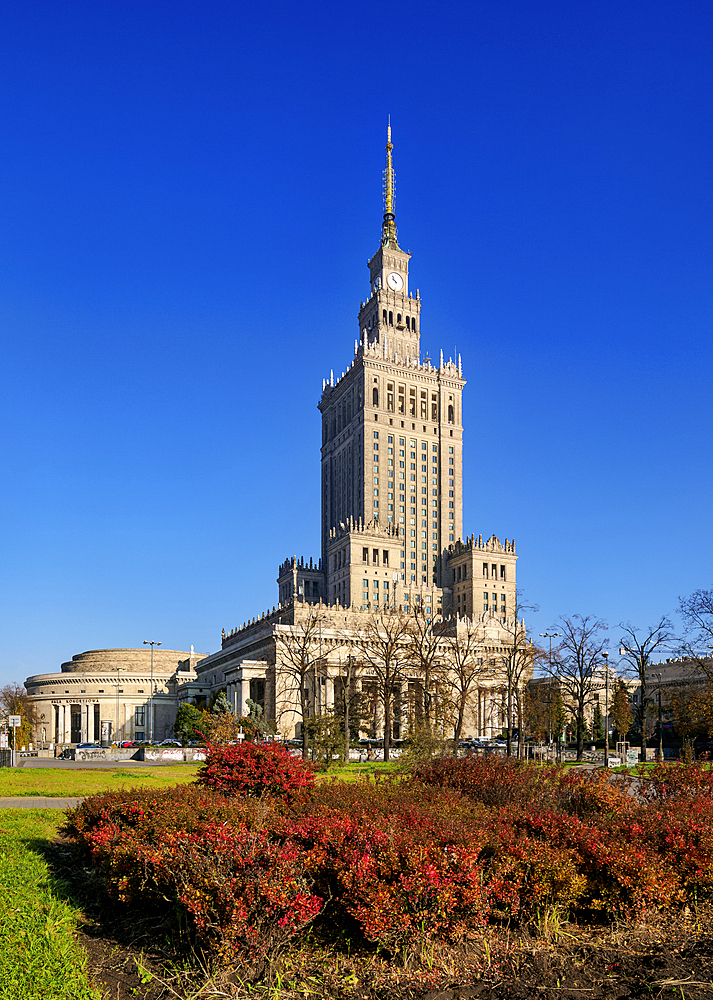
(384, 316)
(391, 318)
(398, 319)
(450, 413)
(375, 557)
(424, 404)
(434, 408)
(386, 557)
(375, 396)
(365, 555)
(485, 570)
(408, 322)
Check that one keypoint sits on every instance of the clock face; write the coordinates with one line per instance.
(395, 281)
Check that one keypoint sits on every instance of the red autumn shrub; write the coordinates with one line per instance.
(492, 780)
(403, 861)
(682, 832)
(255, 769)
(247, 896)
(591, 793)
(666, 782)
(113, 828)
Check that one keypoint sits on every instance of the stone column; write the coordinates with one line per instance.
(400, 710)
(66, 732)
(240, 688)
(328, 691)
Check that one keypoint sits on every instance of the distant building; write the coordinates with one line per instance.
(111, 685)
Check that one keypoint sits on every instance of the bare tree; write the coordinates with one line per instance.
(544, 709)
(696, 610)
(577, 657)
(298, 648)
(637, 649)
(14, 700)
(423, 640)
(517, 660)
(349, 700)
(464, 667)
(383, 642)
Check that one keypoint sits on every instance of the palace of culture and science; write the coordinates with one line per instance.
(391, 542)
(392, 512)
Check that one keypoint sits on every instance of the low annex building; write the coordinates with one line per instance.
(115, 686)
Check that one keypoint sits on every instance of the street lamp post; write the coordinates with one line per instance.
(660, 721)
(606, 708)
(550, 636)
(118, 672)
(151, 643)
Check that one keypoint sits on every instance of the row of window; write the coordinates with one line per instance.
(387, 318)
(374, 556)
(423, 403)
(494, 571)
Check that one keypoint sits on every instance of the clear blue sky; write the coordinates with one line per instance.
(190, 194)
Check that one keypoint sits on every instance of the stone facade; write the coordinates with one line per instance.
(114, 686)
(253, 664)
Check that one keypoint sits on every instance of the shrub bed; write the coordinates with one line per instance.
(432, 856)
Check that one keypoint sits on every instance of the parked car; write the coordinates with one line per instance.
(171, 743)
(88, 746)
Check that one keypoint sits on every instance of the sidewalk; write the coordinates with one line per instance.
(38, 802)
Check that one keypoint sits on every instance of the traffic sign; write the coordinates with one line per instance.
(14, 721)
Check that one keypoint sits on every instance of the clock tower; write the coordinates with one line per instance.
(392, 447)
(391, 315)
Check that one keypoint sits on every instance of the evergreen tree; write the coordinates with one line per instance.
(221, 705)
(559, 716)
(620, 712)
(190, 723)
(574, 731)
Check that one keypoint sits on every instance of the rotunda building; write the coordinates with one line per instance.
(113, 694)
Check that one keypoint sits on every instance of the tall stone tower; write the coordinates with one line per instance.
(392, 439)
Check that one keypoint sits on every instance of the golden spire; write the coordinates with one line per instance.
(388, 229)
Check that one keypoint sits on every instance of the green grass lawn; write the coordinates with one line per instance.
(39, 959)
(85, 781)
(353, 771)
(68, 782)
